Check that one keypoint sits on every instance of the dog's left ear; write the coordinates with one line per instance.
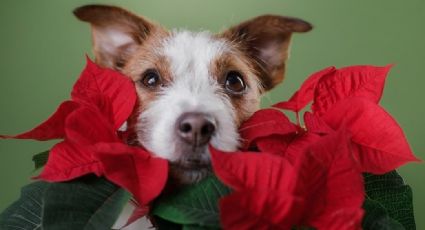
(266, 39)
(116, 33)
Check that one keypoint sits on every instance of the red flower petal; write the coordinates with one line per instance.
(102, 100)
(93, 83)
(354, 81)
(87, 126)
(344, 185)
(253, 209)
(272, 191)
(241, 170)
(299, 146)
(379, 143)
(68, 161)
(306, 92)
(274, 144)
(136, 171)
(118, 88)
(265, 193)
(280, 188)
(52, 128)
(345, 219)
(315, 124)
(264, 123)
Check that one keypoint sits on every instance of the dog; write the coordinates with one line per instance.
(194, 88)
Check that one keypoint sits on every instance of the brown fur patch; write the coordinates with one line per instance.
(235, 60)
(105, 20)
(265, 40)
(146, 57)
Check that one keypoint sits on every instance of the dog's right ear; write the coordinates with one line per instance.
(116, 33)
(266, 39)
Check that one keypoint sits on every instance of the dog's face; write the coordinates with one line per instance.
(194, 89)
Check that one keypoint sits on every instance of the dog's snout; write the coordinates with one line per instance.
(195, 128)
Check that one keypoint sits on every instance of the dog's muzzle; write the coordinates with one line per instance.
(194, 131)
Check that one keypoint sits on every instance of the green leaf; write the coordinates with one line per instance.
(162, 224)
(25, 213)
(390, 191)
(88, 203)
(195, 205)
(377, 218)
(40, 159)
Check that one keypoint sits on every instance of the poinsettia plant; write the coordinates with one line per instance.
(332, 170)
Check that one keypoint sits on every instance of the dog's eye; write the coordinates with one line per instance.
(151, 79)
(234, 82)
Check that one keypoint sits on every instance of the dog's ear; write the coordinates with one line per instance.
(116, 33)
(265, 39)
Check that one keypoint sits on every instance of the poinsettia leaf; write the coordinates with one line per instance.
(267, 185)
(40, 159)
(379, 142)
(26, 212)
(94, 82)
(299, 145)
(236, 215)
(346, 219)
(264, 123)
(316, 124)
(274, 144)
(87, 203)
(259, 209)
(344, 192)
(305, 94)
(390, 191)
(241, 170)
(88, 126)
(118, 88)
(68, 161)
(353, 81)
(162, 224)
(52, 128)
(194, 204)
(138, 171)
(377, 218)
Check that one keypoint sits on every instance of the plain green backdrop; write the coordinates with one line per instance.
(42, 48)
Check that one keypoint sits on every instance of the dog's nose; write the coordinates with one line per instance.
(195, 128)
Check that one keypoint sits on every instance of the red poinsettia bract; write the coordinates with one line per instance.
(320, 186)
(312, 175)
(285, 174)
(349, 98)
(102, 100)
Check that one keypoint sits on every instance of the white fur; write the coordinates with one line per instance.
(193, 89)
(110, 39)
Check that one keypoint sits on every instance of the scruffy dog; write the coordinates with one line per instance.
(194, 88)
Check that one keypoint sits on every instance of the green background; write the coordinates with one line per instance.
(42, 49)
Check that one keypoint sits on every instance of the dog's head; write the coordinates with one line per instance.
(194, 88)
